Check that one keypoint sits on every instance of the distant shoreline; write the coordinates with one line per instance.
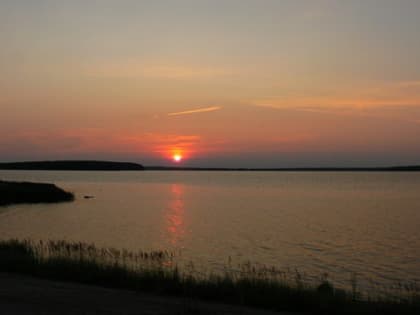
(303, 169)
(72, 165)
(86, 165)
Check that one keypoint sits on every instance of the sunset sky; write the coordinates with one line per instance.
(262, 83)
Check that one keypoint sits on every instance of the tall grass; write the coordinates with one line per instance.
(157, 272)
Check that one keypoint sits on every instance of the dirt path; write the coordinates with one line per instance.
(27, 295)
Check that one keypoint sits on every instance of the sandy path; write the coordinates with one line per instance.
(27, 295)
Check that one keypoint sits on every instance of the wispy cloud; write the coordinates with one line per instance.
(336, 103)
(196, 110)
(410, 84)
(390, 110)
(374, 95)
(133, 69)
(184, 72)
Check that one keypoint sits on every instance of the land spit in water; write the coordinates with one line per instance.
(27, 192)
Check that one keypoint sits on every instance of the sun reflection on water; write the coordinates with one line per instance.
(175, 215)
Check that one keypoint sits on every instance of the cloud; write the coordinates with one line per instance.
(184, 72)
(409, 84)
(403, 111)
(163, 143)
(371, 96)
(336, 103)
(132, 69)
(197, 110)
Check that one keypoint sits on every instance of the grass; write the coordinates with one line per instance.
(156, 272)
(26, 192)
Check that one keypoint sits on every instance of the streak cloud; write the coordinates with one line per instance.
(197, 110)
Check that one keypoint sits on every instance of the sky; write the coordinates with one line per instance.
(232, 83)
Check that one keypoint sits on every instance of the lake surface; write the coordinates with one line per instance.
(363, 223)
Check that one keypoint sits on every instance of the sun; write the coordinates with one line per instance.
(177, 157)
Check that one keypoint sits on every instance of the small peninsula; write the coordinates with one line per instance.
(72, 165)
(27, 192)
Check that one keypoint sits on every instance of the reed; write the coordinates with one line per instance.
(157, 272)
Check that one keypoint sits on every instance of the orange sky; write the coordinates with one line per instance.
(224, 83)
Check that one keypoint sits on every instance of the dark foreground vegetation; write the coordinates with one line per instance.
(73, 166)
(25, 192)
(156, 272)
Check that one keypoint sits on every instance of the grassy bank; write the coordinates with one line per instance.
(156, 272)
(25, 192)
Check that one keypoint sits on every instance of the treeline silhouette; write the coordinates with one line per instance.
(87, 165)
(73, 166)
(414, 168)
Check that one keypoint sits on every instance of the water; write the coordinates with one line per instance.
(361, 223)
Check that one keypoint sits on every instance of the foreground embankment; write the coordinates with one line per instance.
(156, 273)
(27, 295)
(26, 192)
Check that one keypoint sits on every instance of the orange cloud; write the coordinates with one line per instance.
(335, 103)
(134, 69)
(165, 145)
(410, 84)
(184, 72)
(88, 141)
(369, 96)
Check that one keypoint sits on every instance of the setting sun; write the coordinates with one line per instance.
(177, 157)
(246, 146)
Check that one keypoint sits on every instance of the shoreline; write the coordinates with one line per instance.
(72, 165)
(95, 165)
